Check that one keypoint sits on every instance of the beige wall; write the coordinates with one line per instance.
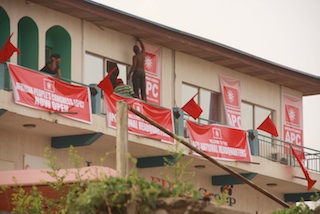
(176, 68)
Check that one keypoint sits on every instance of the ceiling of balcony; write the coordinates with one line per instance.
(174, 39)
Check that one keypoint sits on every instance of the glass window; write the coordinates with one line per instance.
(246, 116)
(208, 100)
(253, 115)
(95, 67)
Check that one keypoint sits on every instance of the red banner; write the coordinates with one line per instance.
(292, 123)
(230, 90)
(153, 89)
(220, 141)
(136, 124)
(44, 92)
(152, 66)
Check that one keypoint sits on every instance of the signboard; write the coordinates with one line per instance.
(137, 125)
(220, 141)
(152, 67)
(292, 123)
(44, 92)
(230, 90)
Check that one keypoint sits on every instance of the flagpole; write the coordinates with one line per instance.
(229, 170)
(195, 95)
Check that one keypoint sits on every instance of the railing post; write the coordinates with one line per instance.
(96, 100)
(253, 142)
(1, 76)
(178, 121)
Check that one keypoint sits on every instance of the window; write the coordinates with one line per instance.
(253, 115)
(96, 68)
(208, 100)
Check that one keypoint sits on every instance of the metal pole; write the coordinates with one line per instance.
(232, 172)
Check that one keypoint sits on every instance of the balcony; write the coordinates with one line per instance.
(261, 146)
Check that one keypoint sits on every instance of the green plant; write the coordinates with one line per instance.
(111, 195)
(301, 208)
(177, 175)
(25, 202)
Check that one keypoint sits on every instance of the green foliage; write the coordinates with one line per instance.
(105, 195)
(25, 202)
(301, 208)
(177, 175)
(222, 199)
(116, 194)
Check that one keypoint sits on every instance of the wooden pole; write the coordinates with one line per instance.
(229, 170)
(122, 139)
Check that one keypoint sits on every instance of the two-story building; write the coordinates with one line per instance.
(92, 38)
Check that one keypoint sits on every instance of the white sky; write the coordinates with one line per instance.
(286, 32)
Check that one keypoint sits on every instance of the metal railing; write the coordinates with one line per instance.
(274, 149)
(261, 145)
(280, 151)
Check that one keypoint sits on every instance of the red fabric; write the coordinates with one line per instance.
(138, 126)
(268, 126)
(192, 108)
(218, 141)
(305, 172)
(44, 92)
(7, 50)
(106, 84)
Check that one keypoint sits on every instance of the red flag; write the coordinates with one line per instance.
(305, 172)
(7, 50)
(106, 84)
(192, 108)
(268, 126)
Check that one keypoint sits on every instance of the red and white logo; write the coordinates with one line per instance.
(216, 133)
(48, 85)
(150, 63)
(137, 106)
(231, 96)
(292, 114)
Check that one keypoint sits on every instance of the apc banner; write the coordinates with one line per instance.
(152, 66)
(220, 141)
(230, 90)
(292, 123)
(44, 92)
(136, 124)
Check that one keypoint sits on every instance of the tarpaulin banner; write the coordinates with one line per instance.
(220, 141)
(137, 125)
(292, 123)
(44, 92)
(230, 90)
(152, 67)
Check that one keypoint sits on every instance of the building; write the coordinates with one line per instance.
(92, 38)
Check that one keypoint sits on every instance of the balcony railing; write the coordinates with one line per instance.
(264, 146)
(280, 151)
(260, 145)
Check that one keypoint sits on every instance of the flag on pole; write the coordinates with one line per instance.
(192, 108)
(7, 50)
(268, 126)
(305, 172)
(106, 84)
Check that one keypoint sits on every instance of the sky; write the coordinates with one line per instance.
(286, 32)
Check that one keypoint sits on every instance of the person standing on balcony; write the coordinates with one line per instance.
(52, 67)
(139, 75)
